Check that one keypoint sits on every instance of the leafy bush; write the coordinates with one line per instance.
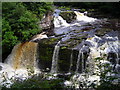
(38, 82)
(39, 8)
(20, 22)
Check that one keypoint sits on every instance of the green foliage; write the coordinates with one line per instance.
(19, 24)
(64, 47)
(64, 8)
(37, 82)
(108, 86)
(20, 21)
(39, 8)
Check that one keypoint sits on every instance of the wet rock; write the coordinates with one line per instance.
(69, 16)
(112, 57)
(102, 31)
(87, 28)
(45, 53)
(0, 68)
(38, 37)
(47, 23)
(50, 41)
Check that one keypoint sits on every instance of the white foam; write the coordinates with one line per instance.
(82, 17)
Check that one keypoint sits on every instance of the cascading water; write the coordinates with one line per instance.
(113, 50)
(54, 67)
(82, 62)
(62, 27)
(59, 21)
(21, 62)
(106, 46)
(78, 61)
(82, 17)
(71, 61)
(81, 59)
(23, 56)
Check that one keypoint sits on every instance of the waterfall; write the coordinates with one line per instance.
(83, 56)
(82, 17)
(71, 61)
(78, 61)
(117, 63)
(80, 57)
(20, 64)
(113, 47)
(54, 67)
(23, 56)
(82, 62)
(108, 46)
(58, 20)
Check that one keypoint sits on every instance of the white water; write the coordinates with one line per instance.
(104, 46)
(71, 61)
(82, 17)
(97, 49)
(81, 57)
(59, 21)
(82, 62)
(62, 27)
(9, 74)
(20, 64)
(78, 61)
(54, 67)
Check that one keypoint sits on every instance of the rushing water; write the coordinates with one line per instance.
(82, 17)
(54, 67)
(78, 61)
(24, 55)
(59, 21)
(106, 47)
(71, 61)
(21, 62)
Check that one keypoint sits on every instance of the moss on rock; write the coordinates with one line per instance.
(69, 16)
(50, 41)
(102, 31)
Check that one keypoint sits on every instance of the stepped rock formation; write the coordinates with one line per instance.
(73, 50)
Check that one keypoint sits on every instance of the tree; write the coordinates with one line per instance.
(20, 22)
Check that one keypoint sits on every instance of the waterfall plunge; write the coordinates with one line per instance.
(80, 57)
(20, 64)
(78, 61)
(54, 67)
(23, 56)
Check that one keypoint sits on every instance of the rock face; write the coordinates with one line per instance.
(69, 16)
(64, 57)
(38, 37)
(47, 23)
(78, 50)
(80, 43)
